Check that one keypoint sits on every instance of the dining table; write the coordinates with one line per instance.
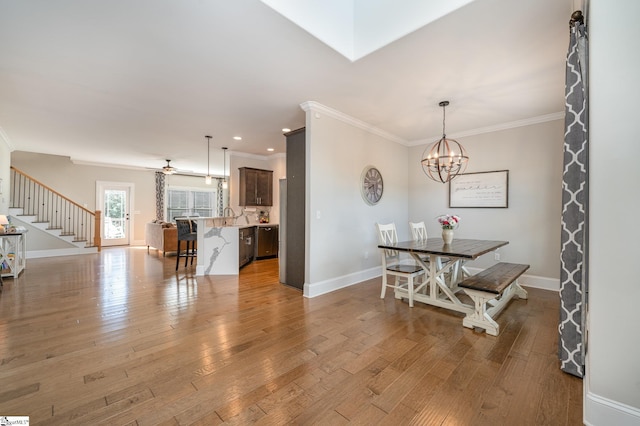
(444, 266)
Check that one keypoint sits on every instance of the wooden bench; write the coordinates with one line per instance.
(494, 286)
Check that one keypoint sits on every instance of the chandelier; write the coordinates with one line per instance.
(446, 158)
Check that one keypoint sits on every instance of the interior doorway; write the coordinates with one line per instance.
(114, 199)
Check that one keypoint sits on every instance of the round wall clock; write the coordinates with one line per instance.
(371, 185)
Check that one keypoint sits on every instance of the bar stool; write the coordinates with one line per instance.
(188, 232)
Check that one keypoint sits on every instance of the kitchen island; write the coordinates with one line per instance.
(224, 249)
(217, 248)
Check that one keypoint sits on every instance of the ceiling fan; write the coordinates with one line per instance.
(168, 169)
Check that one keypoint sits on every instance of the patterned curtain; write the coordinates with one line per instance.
(220, 200)
(160, 179)
(573, 255)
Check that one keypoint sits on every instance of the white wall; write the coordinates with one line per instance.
(5, 165)
(341, 236)
(612, 393)
(531, 223)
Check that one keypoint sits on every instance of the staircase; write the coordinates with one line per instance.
(42, 209)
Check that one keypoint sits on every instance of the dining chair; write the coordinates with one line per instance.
(187, 232)
(418, 231)
(419, 234)
(404, 273)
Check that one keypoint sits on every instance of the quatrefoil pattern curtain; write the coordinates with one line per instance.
(575, 208)
(160, 181)
(220, 200)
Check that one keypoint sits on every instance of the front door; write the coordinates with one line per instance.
(115, 203)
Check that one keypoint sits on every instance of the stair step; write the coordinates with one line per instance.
(77, 243)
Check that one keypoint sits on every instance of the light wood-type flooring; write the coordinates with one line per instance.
(120, 338)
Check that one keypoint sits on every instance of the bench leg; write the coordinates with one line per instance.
(482, 316)
(519, 291)
(479, 317)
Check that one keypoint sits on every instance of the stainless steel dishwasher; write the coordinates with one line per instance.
(267, 241)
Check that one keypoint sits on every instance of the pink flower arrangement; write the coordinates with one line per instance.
(448, 221)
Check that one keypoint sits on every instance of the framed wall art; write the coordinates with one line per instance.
(483, 190)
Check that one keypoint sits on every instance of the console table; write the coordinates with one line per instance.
(13, 254)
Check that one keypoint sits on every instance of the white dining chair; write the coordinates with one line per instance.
(418, 231)
(419, 234)
(404, 274)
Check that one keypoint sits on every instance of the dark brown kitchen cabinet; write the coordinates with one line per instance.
(256, 187)
(246, 248)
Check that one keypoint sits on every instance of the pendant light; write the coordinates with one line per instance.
(225, 185)
(207, 178)
(446, 158)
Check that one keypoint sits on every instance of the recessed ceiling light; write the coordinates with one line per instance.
(270, 149)
(286, 130)
(238, 138)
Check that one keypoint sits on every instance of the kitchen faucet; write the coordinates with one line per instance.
(224, 214)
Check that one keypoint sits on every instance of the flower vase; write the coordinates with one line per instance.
(447, 235)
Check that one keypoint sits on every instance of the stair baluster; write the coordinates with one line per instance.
(59, 212)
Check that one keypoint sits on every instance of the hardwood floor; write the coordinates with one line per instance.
(121, 338)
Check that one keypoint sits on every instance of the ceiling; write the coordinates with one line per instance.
(135, 83)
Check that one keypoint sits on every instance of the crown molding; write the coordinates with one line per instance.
(315, 107)
(111, 165)
(186, 173)
(257, 156)
(495, 128)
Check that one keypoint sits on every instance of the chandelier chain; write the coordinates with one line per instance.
(444, 109)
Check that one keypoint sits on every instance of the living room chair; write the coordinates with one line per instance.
(404, 274)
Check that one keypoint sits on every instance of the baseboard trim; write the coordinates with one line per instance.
(36, 254)
(599, 411)
(327, 286)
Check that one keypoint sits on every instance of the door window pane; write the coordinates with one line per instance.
(114, 213)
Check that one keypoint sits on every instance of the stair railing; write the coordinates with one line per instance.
(49, 206)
